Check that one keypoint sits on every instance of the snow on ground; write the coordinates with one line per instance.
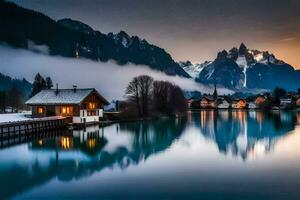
(242, 62)
(23, 116)
(13, 117)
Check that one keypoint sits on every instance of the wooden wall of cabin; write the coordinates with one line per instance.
(54, 110)
(73, 110)
(92, 98)
(38, 111)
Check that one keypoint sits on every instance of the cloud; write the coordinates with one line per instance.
(287, 39)
(109, 78)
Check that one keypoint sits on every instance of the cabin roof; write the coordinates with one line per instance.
(64, 96)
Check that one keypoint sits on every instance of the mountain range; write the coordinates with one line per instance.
(243, 68)
(238, 69)
(24, 28)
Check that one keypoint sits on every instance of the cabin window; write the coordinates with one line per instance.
(91, 105)
(66, 110)
(40, 110)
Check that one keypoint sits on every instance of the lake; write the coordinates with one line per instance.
(208, 155)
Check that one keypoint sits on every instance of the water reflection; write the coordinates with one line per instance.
(78, 154)
(245, 134)
(74, 155)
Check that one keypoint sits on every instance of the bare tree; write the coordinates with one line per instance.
(161, 95)
(133, 94)
(138, 92)
(168, 98)
(145, 85)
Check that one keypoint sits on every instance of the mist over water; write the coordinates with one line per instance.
(109, 78)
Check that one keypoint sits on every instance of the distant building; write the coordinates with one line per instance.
(239, 104)
(223, 103)
(261, 101)
(190, 102)
(83, 105)
(286, 101)
(297, 102)
(252, 105)
(208, 102)
(215, 94)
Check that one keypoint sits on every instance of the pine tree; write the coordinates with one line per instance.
(15, 98)
(49, 83)
(38, 84)
(3, 101)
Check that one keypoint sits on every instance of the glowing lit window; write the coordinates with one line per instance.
(66, 110)
(92, 105)
(40, 110)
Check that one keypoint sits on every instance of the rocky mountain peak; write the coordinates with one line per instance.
(241, 68)
(222, 55)
(76, 25)
(243, 49)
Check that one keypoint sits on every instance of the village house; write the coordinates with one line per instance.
(297, 102)
(83, 105)
(239, 104)
(252, 105)
(286, 101)
(208, 102)
(190, 102)
(261, 101)
(223, 103)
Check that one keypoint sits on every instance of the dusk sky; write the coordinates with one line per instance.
(191, 30)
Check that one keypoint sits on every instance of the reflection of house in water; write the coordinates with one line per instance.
(90, 141)
(78, 154)
(245, 133)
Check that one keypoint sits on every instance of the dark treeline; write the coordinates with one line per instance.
(147, 97)
(12, 98)
(13, 92)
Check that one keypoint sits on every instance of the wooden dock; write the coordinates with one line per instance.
(21, 128)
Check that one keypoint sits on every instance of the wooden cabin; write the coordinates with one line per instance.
(83, 105)
(239, 104)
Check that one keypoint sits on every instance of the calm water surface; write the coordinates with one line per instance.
(212, 155)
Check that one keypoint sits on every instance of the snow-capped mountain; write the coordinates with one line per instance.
(246, 68)
(193, 69)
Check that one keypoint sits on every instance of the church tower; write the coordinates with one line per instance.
(215, 94)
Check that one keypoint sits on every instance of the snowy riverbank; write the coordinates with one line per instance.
(13, 117)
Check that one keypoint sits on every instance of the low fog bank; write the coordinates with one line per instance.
(109, 78)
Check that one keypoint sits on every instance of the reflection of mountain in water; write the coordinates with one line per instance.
(73, 156)
(245, 133)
